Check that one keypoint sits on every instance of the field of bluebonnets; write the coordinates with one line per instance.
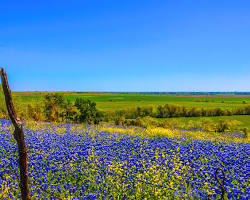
(70, 161)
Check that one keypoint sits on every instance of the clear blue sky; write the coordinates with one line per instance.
(129, 45)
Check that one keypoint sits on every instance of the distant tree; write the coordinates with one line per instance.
(194, 112)
(219, 112)
(120, 120)
(87, 111)
(222, 125)
(54, 107)
(71, 111)
(171, 110)
(131, 113)
(239, 111)
(203, 112)
(245, 132)
(183, 111)
(160, 111)
(144, 111)
(208, 124)
(34, 112)
(247, 110)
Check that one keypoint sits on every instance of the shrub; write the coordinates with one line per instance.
(194, 112)
(71, 112)
(144, 111)
(207, 124)
(34, 112)
(171, 110)
(239, 111)
(247, 110)
(218, 112)
(87, 111)
(143, 122)
(245, 131)
(54, 107)
(222, 125)
(120, 120)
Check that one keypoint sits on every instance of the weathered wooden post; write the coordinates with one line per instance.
(221, 183)
(19, 137)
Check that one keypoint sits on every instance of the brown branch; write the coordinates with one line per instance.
(19, 137)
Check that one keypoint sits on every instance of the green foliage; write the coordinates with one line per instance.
(222, 125)
(245, 131)
(3, 111)
(71, 112)
(133, 100)
(34, 112)
(143, 122)
(120, 120)
(54, 107)
(144, 111)
(172, 110)
(88, 112)
(247, 110)
(207, 124)
(134, 109)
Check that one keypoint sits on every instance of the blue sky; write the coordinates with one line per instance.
(132, 45)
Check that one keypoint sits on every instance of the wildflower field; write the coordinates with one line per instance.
(70, 161)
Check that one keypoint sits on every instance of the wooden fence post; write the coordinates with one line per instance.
(19, 137)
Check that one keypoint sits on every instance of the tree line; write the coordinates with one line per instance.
(56, 108)
(172, 111)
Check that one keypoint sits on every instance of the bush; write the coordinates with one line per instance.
(143, 122)
(71, 112)
(120, 120)
(170, 110)
(87, 111)
(144, 111)
(222, 125)
(247, 110)
(34, 112)
(245, 131)
(194, 112)
(218, 112)
(208, 124)
(54, 107)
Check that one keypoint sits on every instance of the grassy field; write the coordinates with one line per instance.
(116, 101)
(104, 161)
(244, 119)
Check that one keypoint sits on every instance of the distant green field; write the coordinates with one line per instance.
(116, 101)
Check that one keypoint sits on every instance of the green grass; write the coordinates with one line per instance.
(115, 101)
(244, 119)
